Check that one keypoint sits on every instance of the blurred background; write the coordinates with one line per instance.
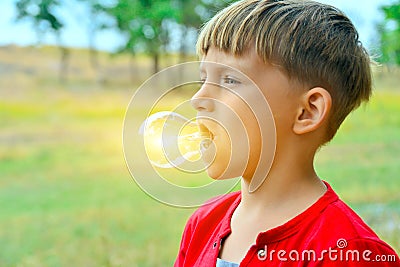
(67, 72)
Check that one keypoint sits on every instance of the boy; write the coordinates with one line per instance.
(307, 62)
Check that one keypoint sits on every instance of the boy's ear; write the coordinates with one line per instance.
(313, 110)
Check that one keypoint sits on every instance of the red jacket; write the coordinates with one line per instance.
(328, 233)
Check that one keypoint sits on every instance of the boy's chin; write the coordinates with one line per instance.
(220, 174)
(215, 174)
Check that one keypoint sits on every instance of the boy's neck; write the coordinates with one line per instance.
(288, 190)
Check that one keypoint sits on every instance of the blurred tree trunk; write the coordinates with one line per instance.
(95, 18)
(64, 60)
(156, 62)
(132, 70)
(183, 48)
(91, 34)
(42, 16)
(64, 64)
(94, 57)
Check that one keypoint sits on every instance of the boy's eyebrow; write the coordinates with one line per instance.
(216, 67)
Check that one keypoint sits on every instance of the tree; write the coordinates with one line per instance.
(191, 15)
(390, 34)
(145, 26)
(42, 15)
(95, 19)
(188, 21)
(150, 25)
(92, 13)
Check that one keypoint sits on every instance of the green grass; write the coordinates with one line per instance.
(67, 199)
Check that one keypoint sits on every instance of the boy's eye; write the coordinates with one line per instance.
(230, 80)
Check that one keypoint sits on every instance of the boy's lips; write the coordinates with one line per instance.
(205, 130)
(207, 146)
(208, 140)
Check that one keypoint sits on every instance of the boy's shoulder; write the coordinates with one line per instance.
(341, 218)
(340, 226)
(337, 227)
(326, 223)
(341, 232)
(328, 215)
(329, 225)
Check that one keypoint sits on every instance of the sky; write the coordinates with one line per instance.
(364, 14)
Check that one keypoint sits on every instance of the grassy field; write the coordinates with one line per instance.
(66, 196)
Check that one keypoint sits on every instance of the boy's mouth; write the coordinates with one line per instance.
(208, 136)
(204, 130)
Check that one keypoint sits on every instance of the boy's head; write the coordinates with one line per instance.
(314, 44)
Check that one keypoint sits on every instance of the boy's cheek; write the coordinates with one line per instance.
(238, 147)
(229, 154)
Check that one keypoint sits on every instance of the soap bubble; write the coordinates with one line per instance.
(170, 139)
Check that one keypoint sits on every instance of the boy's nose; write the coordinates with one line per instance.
(201, 101)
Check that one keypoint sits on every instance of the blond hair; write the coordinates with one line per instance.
(313, 43)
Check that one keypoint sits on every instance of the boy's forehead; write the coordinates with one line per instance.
(216, 58)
